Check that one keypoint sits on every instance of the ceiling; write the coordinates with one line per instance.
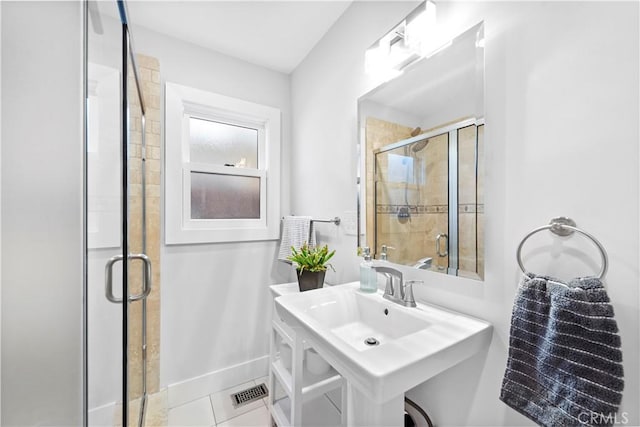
(274, 34)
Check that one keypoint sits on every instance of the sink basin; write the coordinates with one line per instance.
(413, 344)
(355, 316)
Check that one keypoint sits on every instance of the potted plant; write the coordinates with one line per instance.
(311, 265)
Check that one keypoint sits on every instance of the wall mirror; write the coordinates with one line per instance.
(421, 138)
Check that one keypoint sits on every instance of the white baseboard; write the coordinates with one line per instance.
(194, 388)
(203, 385)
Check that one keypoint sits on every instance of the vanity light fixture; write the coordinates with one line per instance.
(406, 42)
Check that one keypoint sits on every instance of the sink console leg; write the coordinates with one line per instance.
(296, 376)
(344, 419)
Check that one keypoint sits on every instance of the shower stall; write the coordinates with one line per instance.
(428, 197)
(121, 265)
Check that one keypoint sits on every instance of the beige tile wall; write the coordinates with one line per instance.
(378, 133)
(470, 197)
(150, 82)
(433, 193)
(412, 238)
(436, 157)
(480, 222)
(467, 215)
(467, 165)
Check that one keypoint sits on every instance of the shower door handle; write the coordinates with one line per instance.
(438, 248)
(108, 278)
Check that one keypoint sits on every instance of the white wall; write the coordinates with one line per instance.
(561, 139)
(324, 92)
(41, 213)
(215, 297)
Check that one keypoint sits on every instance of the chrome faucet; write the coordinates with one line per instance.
(390, 289)
(423, 264)
(402, 293)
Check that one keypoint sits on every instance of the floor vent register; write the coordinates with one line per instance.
(249, 395)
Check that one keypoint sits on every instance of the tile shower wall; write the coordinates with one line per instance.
(480, 203)
(149, 69)
(425, 196)
(470, 203)
(413, 238)
(378, 133)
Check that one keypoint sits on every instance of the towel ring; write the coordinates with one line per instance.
(563, 226)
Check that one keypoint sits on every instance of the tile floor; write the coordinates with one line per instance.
(217, 410)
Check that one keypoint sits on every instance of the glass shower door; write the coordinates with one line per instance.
(411, 202)
(429, 201)
(119, 272)
(139, 269)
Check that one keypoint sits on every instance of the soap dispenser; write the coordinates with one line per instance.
(383, 252)
(368, 276)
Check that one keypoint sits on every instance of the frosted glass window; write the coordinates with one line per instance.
(222, 168)
(222, 144)
(220, 196)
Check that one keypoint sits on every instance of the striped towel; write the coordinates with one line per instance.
(296, 231)
(565, 364)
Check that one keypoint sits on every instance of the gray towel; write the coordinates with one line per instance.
(565, 364)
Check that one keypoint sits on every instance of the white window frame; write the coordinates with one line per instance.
(183, 103)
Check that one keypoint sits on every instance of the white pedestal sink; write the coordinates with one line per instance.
(413, 345)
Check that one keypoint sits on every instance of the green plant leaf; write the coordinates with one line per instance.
(313, 259)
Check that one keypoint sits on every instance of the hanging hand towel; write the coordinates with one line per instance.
(296, 231)
(565, 365)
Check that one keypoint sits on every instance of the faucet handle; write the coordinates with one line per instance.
(408, 299)
(390, 272)
(388, 289)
